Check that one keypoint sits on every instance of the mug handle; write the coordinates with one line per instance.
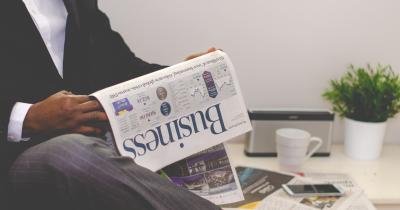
(316, 147)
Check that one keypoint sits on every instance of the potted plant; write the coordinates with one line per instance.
(366, 98)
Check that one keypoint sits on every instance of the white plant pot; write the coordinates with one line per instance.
(363, 140)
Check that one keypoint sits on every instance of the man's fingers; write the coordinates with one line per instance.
(88, 130)
(80, 98)
(96, 116)
(105, 125)
(200, 54)
(194, 56)
(213, 49)
(63, 92)
(90, 106)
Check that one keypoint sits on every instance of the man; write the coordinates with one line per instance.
(52, 54)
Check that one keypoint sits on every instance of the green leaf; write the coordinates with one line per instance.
(366, 94)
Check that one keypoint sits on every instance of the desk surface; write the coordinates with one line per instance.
(379, 178)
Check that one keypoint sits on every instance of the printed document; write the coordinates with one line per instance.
(184, 111)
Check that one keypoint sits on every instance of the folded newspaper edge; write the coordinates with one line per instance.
(165, 116)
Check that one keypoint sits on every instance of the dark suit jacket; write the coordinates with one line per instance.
(97, 59)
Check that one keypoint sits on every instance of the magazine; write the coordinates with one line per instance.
(183, 110)
(257, 184)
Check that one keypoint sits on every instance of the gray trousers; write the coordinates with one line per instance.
(76, 172)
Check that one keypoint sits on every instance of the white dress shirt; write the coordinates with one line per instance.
(50, 18)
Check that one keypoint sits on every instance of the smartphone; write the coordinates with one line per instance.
(308, 190)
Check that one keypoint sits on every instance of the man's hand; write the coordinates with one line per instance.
(64, 113)
(200, 54)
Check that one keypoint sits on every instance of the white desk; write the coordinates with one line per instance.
(380, 178)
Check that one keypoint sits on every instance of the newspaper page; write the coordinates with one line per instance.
(276, 200)
(208, 174)
(343, 180)
(278, 203)
(354, 199)
(361, 203)
(163, 117)
(348, 184)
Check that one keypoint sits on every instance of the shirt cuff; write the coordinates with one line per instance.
(16, 123)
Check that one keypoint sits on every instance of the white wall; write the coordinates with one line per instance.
(285, 51)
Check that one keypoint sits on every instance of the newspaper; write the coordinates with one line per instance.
(208, 174)
(278, 203)
(354, 198)
(361, 203)
(163, 117)
(348, 184)
(177, 111)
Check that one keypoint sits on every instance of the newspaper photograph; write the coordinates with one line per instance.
(165, 116)
(208, 174)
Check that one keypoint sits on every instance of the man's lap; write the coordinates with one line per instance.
(76, 166)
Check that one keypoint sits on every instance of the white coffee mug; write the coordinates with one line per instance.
(292, 146)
